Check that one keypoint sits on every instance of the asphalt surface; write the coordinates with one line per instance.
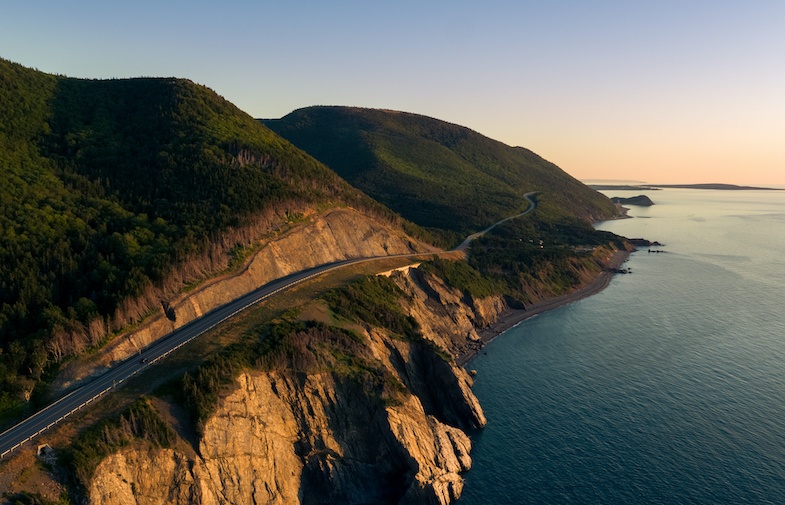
(44, 419)
(30, 428)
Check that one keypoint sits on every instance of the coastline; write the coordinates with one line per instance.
(512, 317)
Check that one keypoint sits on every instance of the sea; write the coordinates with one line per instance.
(668, 387)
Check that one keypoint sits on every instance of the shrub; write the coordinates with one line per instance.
(139, 422)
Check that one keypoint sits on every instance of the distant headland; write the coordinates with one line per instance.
(637, 187)
(640, 200)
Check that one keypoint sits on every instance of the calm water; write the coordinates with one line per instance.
(667, 387)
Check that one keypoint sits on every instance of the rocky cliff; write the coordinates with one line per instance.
(336, 235)
(287, 437)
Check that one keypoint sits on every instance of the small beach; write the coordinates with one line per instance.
(513, 317)
(666, 388)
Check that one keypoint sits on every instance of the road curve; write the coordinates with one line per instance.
(30, 428)
(465, 244)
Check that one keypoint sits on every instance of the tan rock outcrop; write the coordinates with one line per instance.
(295, 438)
(143, 477)
(447, 316)
(337, 235)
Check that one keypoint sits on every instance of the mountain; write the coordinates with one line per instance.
(114, 194)
(129, 208)
(435, 173)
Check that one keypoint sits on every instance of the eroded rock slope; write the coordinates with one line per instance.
(336, 235)
(282, 437)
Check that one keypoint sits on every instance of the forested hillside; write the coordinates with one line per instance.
(435, 173)
(115, 194)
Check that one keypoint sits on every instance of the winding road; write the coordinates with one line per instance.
(465, 244)
(30, 428)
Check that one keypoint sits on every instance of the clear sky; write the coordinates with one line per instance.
(656, 91)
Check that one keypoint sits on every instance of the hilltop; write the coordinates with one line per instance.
(435, 173)
(133, 207)
(115, 194)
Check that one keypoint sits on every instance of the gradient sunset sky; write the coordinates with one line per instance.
(660, 92)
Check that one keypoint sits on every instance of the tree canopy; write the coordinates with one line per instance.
(115, 193)
(435, 173)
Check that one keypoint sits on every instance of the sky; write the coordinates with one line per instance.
(681, 91)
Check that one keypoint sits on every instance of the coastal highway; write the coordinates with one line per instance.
(30, 428)
(44, 419)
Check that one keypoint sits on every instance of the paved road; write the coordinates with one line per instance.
(39, 422)
(44, 419)
(465, 244)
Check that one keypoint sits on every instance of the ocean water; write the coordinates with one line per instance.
(668, 387)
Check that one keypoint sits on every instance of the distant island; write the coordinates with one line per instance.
(639, 187)
(640, 200)
(622, 187)
(729, 187)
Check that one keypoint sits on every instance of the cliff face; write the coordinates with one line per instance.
(336, 235)
(284, 437)
(447, 316)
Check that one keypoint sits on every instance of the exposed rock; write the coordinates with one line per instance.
(143, 476)
(285, 437)
(337, 235)
(446, 316)
(642, 242)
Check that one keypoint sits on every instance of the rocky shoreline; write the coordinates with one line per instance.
(512, 317)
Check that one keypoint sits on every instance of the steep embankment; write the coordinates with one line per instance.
(116, 194)
(336, 235)
(328, 432)
(323, 437)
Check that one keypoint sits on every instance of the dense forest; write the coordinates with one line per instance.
(115, 194)
(435, 173)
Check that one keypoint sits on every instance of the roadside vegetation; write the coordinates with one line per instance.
(374, 301)
(140, 422)
(117, 194)
(310, 347)
(537, 251)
